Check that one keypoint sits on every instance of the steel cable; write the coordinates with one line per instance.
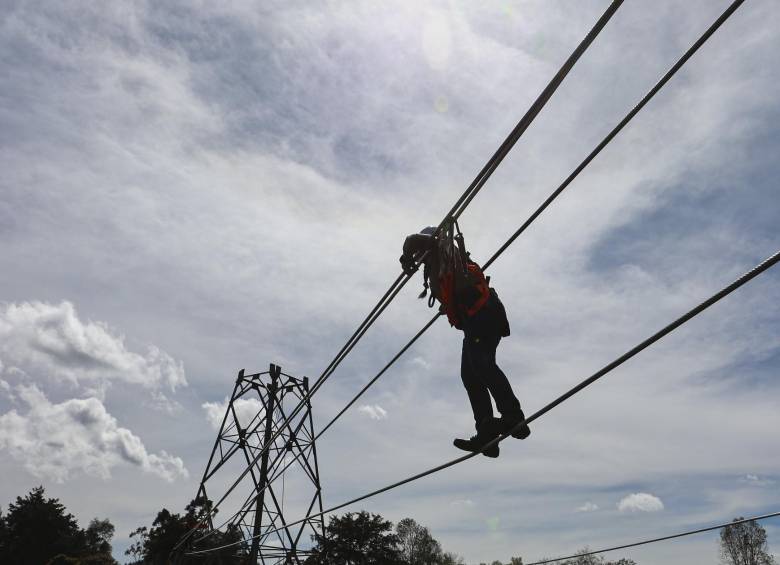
(654, 540)
(592, 155)
(613, 133)
(745, 278)
(455, 211)
(475, 186)
(530, 115)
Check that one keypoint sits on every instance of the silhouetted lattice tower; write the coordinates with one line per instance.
(256, 412)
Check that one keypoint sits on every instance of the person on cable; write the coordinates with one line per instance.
(471, 305)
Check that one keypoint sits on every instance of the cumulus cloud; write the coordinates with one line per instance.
(78, 435)
(588, 507)
(246, 410)
(50, 340)
(640, 502)
(373, 411)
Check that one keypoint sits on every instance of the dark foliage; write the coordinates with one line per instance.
(357, 538)
(368, 539)
(38, 530)
(416, 544)
(585, 560)
(595, 560)
(155, 545)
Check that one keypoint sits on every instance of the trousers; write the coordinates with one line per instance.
(482, 378)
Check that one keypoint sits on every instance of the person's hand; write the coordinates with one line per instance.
(408, 264)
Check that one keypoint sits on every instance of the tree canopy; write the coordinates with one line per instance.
(356, 538)
(416, 544)
(39, 530)
(583, 559)
(155, 545)
(744, 544)
(360, 538)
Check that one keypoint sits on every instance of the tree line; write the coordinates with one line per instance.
(37, 530)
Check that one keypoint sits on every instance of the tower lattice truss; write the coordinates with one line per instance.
(285, 474)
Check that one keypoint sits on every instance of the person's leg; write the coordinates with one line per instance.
(484, 364)
(483, 361)
(476, 388)
(486, 424)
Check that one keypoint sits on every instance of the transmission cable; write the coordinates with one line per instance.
(469, 193)
(455, 212)
(654, 540)
(745, 278)
(482, 177)
(528, 118)
(613, 133)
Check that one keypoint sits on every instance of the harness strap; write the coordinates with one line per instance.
(464, 255)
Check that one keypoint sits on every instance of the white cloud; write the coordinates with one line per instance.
(77, 435)
(437, 41)
(640, 502)
(50, 340)
(756, 481)
(246, 410)
(5, 388)
(588, 507)
(214, 413)
(373, 411)
(420, 362)
(462, 503)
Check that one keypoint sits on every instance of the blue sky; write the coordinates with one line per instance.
(189, 190)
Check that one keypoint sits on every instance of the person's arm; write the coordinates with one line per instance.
(414, 246)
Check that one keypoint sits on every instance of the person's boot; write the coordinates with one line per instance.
(510, 420)
(487, 431)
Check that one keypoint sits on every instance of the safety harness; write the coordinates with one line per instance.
(453, 278)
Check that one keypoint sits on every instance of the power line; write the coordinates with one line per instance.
(455, 211)
(641, 104)
(391, 293)
(613, 133)
(378, 375)
(745, 278)
(252, 497)
(528, 118)
(654, 540)
(592, 155)
(475, 187)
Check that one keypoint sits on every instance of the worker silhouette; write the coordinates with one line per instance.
(471, 305)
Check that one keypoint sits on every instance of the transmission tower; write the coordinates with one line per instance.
(256, 413)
